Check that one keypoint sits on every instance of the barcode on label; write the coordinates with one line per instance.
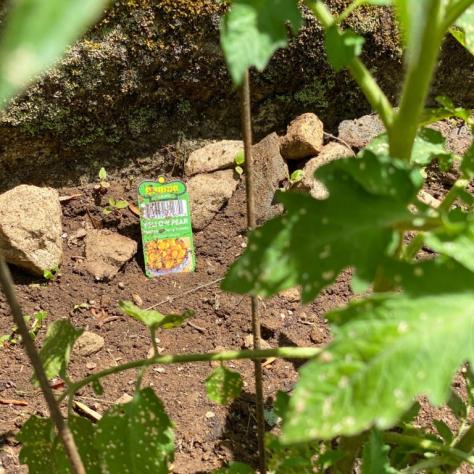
(160, 209)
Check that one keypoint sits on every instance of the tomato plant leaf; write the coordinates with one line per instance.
(381, 358)
(153, 318)
(428, 145)
(36, 34)
(315, 240)
(375, 456)
(57, 346)
(460, 247)
(467, 165)
(342, 46)
(43, 452)
(444, 431)
(136, 437)
(463, 29)
(252, 30)
(223, 385)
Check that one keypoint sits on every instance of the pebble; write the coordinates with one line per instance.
(210, 414)
(121, 285)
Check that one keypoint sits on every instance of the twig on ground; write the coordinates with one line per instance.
(11, 401)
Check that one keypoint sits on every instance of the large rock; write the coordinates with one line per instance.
(208, 193)
(107, 252)
(270, 172)
(213, 157)
(331, 151)
(304, 137)
(360, 132)
(30, 228)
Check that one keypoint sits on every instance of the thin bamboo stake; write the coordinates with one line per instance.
(64, 432)
(246, 119)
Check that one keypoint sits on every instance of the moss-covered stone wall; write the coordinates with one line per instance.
(151, 73)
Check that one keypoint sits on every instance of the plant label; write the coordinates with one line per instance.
(165, 222)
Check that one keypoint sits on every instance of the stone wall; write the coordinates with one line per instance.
(151, 74)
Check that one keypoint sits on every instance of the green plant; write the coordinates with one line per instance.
(296, 176)
(239, 161)
(35, 323)
(52, 275)
(115, 205)
(356, 396)
(103, 184)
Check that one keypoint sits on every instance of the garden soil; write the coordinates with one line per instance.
(207, 435)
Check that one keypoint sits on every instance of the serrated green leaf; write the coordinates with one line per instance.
(428, 145)
(459, 247)
(342, 46)
(43, 452)
(381, 358)
(463, 29)
(57, 347)
(457, 405)
(36, 34)
(467, 165)
(375, 456)
(153, 318)
(223, 385)
(252, 30)
(315, 240)
(136, 437)
(235, 468)
(36, 437)
(444, 431)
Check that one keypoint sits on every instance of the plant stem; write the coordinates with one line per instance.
(427, 445)
(414, 247)
(352, 6)
(376, 97)
(63, 430)
(465, 444)
(256, 354)
(246, 119)
(416, 86)
(422, 466)
(452, 194)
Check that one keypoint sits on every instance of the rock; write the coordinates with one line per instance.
(360, 132)
(213, 157)
(270, 171)
(292, 295)
(318, 335)
(248, 343)
(208, 193)
(106, 253)
(30, 228)
(331, 151)
(304, 137)
(89, 343)
(125, 398)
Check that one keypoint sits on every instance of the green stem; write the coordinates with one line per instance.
(416, 86)
(453, 194)
(281, 352)
(426, 464)
(427, 445)
(377, 99)
(355, 4)
(414, 247)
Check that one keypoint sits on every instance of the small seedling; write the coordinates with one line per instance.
(103, 184)
(239, 160)
(296, 177)
(115, 205)
(52, 274)
(35, 322)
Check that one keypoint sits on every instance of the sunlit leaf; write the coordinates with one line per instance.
(136, 437)
(375, 456)
(382, 357)
(252, 30)
(315, 240)
(223, 385)
(57, 347)
(153, 318)
(342, 46)
(444, 431)
(35, 35)
(463, 29)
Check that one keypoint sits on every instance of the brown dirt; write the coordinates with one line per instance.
(222, 319)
